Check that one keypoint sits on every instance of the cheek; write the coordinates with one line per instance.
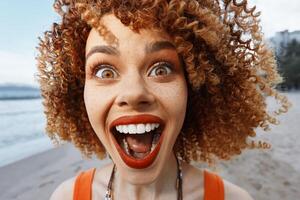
(177, 98)
(174, 100)
(180, 97)
(95, 105)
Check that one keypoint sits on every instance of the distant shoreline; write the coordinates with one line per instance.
(19, 98)
(10, 92)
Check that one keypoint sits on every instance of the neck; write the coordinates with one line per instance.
(163, 187)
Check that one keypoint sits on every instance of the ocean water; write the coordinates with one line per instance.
(22, 132)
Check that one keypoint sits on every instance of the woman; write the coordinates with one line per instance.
(156, 84)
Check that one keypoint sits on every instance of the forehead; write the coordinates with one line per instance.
(124, 35)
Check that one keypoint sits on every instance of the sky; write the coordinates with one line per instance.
(22, 23)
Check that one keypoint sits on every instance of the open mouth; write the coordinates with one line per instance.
(137, 139)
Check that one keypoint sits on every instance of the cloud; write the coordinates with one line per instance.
(278, 15)
(17, 68)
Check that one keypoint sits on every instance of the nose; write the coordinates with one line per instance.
(134, 93)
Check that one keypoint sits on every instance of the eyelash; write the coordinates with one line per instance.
(160, 64)
(101, 65)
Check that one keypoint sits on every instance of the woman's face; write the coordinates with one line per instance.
(135, 95)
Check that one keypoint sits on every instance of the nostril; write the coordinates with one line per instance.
(122, 103)
(136, 99)
(144, 102)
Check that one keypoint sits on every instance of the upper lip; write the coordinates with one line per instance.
(136, 119)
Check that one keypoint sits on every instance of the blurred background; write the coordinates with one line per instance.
(25, 148)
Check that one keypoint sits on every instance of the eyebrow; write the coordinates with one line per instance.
(150, 48)
(110, 50)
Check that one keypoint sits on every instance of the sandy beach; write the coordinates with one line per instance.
(270, 174)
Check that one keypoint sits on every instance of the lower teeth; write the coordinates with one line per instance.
(125, 145)
(154, 141)
(139, 155)
(134, 154)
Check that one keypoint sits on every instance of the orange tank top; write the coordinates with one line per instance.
(213, 186)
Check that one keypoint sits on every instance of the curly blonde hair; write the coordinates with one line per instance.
(230, 71)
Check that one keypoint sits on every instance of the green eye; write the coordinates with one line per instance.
(106, 72)
(161, 69)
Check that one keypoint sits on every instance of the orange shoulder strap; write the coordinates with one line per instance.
(83, 185)
(213, 187)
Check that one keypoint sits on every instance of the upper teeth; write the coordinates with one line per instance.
(137, 128)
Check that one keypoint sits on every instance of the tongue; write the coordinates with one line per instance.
(139, 143)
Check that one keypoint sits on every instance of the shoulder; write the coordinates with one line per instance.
(195, 175)
(234, 192)
(64, 191)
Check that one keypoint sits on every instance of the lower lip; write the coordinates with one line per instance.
(138, 163)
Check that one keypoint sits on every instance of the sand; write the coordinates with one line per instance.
(36, 177)
(271, 174)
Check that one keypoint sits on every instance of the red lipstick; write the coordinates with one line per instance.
(136, 119)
